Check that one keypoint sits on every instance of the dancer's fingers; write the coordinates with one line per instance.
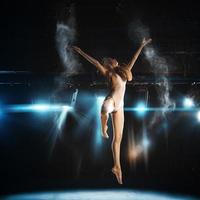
(145, 42)
(75, 48)
(148, 41)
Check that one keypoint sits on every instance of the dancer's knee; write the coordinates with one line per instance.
(117, 139)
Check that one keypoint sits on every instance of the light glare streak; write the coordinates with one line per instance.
(36, 108)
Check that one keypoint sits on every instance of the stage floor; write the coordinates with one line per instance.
(97, 195)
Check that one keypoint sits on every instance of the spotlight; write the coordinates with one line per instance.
(188, 102)
(198, 116)
(141, 108)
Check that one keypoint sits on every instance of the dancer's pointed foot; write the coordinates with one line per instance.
(104, 132)
(118, 173)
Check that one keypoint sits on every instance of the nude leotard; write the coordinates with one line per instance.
(118, 87)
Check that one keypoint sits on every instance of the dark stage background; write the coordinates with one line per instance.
(31, 159)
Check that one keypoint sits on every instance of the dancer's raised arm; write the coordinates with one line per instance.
(135, 56)
(92, 60)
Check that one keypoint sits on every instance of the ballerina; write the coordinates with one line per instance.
(114, 101)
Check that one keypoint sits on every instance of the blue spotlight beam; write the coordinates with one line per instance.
(160, 109)
(62, 118)
(62, 107)
(98, 138)
(36, 108)
(198, 116)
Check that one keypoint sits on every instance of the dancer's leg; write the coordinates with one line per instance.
(107, 107)
(104, 120)
(118, 125)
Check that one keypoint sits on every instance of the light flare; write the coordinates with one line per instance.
(188, 102)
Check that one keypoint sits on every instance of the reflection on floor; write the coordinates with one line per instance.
(97, 195)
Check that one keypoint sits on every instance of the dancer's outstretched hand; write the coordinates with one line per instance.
(75, 48)
(145, 41)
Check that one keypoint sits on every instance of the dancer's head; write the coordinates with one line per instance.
(110, 62)
(121, 70)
